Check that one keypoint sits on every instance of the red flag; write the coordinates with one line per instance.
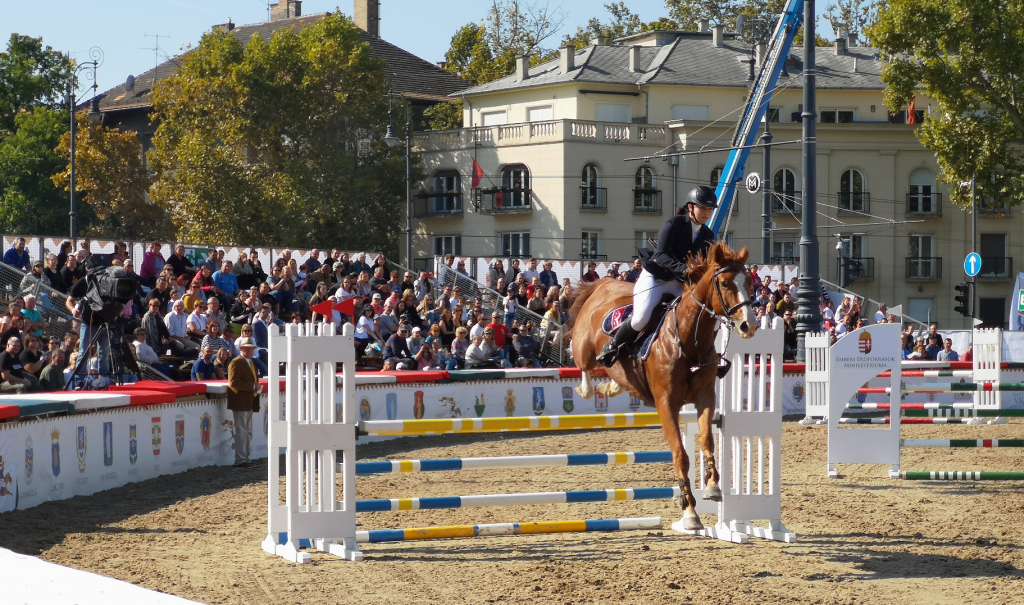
(912, 112)
(478, 175)
(323, 308)
(347, 307)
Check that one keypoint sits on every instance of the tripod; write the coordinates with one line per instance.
(117, 356)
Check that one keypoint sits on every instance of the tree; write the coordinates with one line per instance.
(688, 13)
(29, 201)
(966, 55)
(280, 141)
(623, 23)
(853, 15)
(111, 172)
(30, 76)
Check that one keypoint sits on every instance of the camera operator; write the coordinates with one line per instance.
(91, 321)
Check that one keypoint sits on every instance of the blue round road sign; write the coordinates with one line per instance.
(972, 264)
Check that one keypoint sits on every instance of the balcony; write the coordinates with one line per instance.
(785, 260)
(431, 205)
(924, 204)
(787, 203)
(855, 203)
(503, 200)
(996, 268)
(861, 269)
(924, 268)
(646, 201)
(989, 208)
(531, 133)
(593, 199)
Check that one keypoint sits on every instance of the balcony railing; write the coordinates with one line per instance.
(646, 201)
(787, 203)
(924, 204)
(526, 133)
(438, 204)
(593, 199)
(861, 269)
(854, 202)
(785, 260)
(996, 267)
(594, 257)
(990, 208)
(924, 267)
(503, 200)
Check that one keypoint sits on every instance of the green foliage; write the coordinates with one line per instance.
(444, 116)
(853, 15)
(113, 179)
(29, 202)
(487, 51)
(967, 55)
(30, 76)
(280, 142)
(623, 23)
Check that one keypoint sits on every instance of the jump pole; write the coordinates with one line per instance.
(399, 428)
(500, 462)
(962, 476)
(506, 529)
(451, 502)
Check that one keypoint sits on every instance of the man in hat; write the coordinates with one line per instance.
(243, 399)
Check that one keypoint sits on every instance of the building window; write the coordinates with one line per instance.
(729, 235)
(922, 198)
(854, 246)
(541, 114)
(993, 312)
(646, 196)
(995, 264)
(690, 112)
(774, 114)
(784, 192)
(515, 244)
(495, 118)
(607, 112)
(853, 196)
(645, 239)
(921, 309)
(591, 245)
(922, 264)
(447, 244)
(515, 180)
(785, 253)
(448, 192)
(716, 175)
(836, 116)
(592, 195)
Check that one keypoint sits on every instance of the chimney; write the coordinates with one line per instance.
(634, 59)
(567, 58)
(522, 67)
(285, 9)
(851, 40)
(367, 16)
(224, 26)
(597, 40)
(840, 46)
(703, 27)
(442, 64)
(718, 35)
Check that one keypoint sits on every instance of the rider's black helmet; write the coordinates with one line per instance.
(702, 196)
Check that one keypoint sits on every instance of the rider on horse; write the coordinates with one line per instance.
(665, 269)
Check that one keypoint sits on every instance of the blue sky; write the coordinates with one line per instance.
(125, 29)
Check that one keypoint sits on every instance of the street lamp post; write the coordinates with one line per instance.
(96, 54)
(392, 140)
(808, 311)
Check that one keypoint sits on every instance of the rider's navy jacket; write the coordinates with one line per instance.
(675, 243)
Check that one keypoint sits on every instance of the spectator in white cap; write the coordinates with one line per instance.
(415, 341)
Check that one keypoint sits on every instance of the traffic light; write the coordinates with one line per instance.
(965, 299)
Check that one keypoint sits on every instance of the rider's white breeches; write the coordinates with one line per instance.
(647, 293)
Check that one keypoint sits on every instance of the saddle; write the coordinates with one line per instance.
(641, 347)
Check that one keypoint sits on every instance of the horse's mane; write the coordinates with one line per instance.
(698, 266)
(583, 292)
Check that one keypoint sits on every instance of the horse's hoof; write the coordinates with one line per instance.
(713, 493)
(688, 524)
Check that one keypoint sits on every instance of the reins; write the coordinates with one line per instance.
(725, 320)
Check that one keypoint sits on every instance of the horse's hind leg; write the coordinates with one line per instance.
(669, 415)
(706, 442)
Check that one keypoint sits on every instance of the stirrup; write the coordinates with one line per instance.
(608, 355)
(724, 365)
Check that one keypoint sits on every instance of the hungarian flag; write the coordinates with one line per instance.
(912, 112)
(478, 175)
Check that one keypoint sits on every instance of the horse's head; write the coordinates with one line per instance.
(732, 290)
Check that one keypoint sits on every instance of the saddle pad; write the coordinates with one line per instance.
(615, 318)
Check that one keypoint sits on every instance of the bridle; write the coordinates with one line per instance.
(725, 320)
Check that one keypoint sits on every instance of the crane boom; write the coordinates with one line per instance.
(757, 105)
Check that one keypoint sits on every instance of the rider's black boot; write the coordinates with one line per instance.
(623, 335)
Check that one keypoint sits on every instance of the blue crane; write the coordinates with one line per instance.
(757, 106)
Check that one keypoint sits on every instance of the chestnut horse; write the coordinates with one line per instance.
(682, 365)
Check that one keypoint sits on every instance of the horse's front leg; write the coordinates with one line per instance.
(669, 415)
(706, 442)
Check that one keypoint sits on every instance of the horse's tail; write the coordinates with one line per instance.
(583, 292)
